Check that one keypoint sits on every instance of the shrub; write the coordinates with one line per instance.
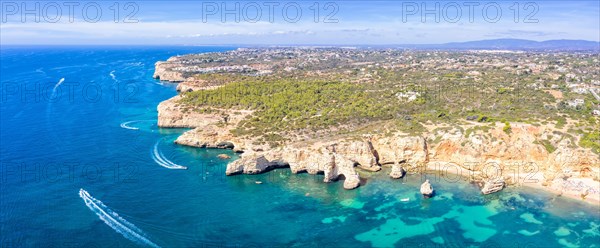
(561, 122)
(507, 128)
(549, 147)
(591, 140)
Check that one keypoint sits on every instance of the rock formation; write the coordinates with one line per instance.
(223, 156)
(411, 150)
(492, 186)
(173, 114)
(209, 136)
(332, 165)
(401, 150)
(397, 171)
(426, 189)
(254, 163)
(360, 152)
(523, 145)
(167, 71)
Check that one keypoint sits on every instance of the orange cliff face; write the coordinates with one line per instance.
(494, 145)
(526, 144)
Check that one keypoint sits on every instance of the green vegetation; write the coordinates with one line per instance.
(549, 147)
(507, 129)
(561, 122)
(591, 140)
(292, 105)
(412, 127)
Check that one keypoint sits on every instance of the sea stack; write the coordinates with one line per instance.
(352, 182)
(397, 171)
(492, 186)
(426, 189)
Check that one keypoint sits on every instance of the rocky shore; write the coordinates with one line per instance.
(493, 158)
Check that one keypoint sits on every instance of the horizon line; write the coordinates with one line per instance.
(299, 44)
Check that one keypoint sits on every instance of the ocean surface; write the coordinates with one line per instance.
(85, 165)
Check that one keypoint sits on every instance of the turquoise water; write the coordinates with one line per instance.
(53, 144)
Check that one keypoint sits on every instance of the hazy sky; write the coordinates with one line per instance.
(294, 22)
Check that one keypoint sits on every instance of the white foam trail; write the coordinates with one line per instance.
(48, 110)
(116, 222)
(58, 84)
(56, 87)
(160, 159)
(126, 126)
(112, 75)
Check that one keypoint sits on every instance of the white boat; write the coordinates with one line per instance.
(404, 199)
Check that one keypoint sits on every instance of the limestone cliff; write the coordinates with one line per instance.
(472, 147)
(192, 84)
(312, 160)
(210, 136)
(338, 158)
(359, 152)
(400, 150)
(167, 70)
(173, 114)
(525, 144)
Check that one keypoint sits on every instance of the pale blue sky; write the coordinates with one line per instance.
(349, 22)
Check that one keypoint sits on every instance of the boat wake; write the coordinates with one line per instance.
(53, 98)
(56, 87)
(126, 125)
(116, 222)
(161, 160)
(112, 75)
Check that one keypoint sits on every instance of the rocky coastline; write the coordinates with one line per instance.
(492, 158)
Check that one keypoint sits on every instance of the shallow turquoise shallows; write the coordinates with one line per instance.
(84, 164)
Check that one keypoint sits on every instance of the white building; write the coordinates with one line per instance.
(580, 90)
(575, 103)
(409, 96)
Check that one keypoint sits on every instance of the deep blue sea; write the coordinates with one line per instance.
(84, 165)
